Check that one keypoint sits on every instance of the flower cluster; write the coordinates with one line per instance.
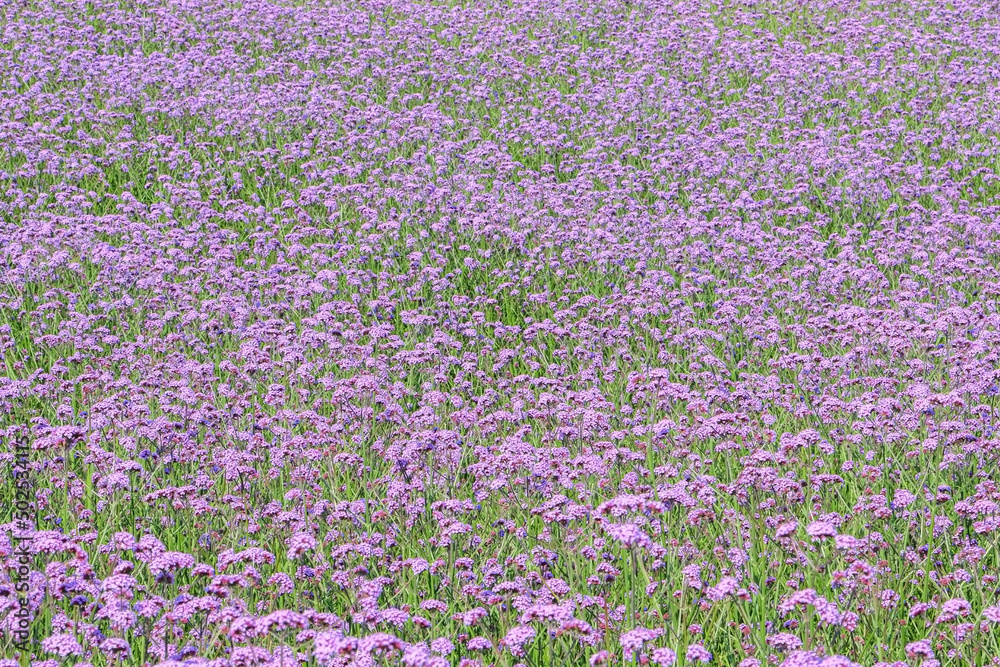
(501, 332)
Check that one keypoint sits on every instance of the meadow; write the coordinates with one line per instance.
(499, 333)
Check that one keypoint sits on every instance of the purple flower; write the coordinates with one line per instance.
(630, 535)
(663, 657)
(281, 620)
(379, 643)
(819, 530)
(442, 645)
(517, 637)
(953, 609)
(847, 542)
(698, 653)
(419, 656)
(547, 613)
(600, 658)
(479, 644)
(786, 529)
(633, 640)
(62, 645)
(784, 642)
(920, 649)
(727, 586)
(333, 643)
(299, 544)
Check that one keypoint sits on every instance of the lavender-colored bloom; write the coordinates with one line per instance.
(442, 646)
(953, 609)
(800, 598)
(333, 643)
(663, 657)
(837, 661)
(846, 542)
(819, 530)
(279, 621)
(517, 637)
(698, 653)
(630, 535)
(920, 608)
(62, 645)
(786, 529)
(784, 642)
(420, 656)
(396, 617)
(299, 544)
(379, 643)
(727, 586)
(888, 599)
(479, 644)
(633, 640)
(547, 613)
(114, 646)
(600, 658)
(920, 649)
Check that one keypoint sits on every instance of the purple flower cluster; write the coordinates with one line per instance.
(498, 333)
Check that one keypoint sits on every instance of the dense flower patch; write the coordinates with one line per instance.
(504, 332)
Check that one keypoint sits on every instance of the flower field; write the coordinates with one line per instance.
(503, 332)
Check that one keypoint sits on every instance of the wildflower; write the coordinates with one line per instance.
(333, 643)
(952, 609)
(633, 640)
(819, 530)
(663, 657)
(784, 642)
(115, 647)
(692, 576)
(727, 586)
(888, 599)
(517, 637)
(630, 535)
(800, 598)
(379, 643)
(786, 529)
(547, 613)
(442, 646)
(846, 542)
(698, 653)
(62, 645)
(600, 658)
(299, 544)
(919, 649)
(919, 608)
